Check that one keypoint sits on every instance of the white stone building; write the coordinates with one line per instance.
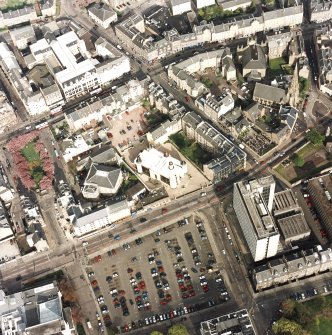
(77, 77)
(321, 10)
(125, 98)
(108, 216)
(102, 14)
(23, 36)
(8, 118)
(180, 6)
(204, 3)
(214, 107)
(36, 104)
(161, 166)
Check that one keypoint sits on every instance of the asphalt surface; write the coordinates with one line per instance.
(262, 305)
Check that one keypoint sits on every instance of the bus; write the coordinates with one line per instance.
(98, 90)
(42, 125)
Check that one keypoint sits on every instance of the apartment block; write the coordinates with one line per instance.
(320, 190)
(228, 158)
(292, 267)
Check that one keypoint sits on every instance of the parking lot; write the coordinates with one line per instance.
(126, 128)
(158, 277)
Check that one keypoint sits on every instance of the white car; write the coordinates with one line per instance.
(115, 275)
(85, 243)
(203, 194)
(224, 251)
(185, 310)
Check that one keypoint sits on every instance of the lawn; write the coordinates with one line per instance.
(191, 149)
(30, 153)
(316, 159)
(324, 327)
(320, 308)
(275, 66)
(35, 163)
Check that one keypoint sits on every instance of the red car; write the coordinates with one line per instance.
(164, 210)
(185, 295)
(163, 302)
(205, 288)
(94, 283)
(168, 297)
(160, 269)
(142, 285)
(138, 298)
(98, 258)
(192, 293)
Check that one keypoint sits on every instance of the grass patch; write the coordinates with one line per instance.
(323, 327)
(30, 153)
(304, 87)
(307, 150)
(80, 329)
(156, 118)
(191, 149)
(275, 66)
(35, 163)
(207, 82)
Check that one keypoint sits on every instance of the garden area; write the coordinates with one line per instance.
(276, 66)
(313, 317)
(32, 162)
(191, 149)
(8, 5)
(217, 12)
(307, 161)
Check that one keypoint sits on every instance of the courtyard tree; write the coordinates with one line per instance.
(178, 330)
(287, 327)
(315, 137)
(298, 160)
(287, 307)
(155, 332)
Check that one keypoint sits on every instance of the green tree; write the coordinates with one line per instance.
(315, 137)
(155, 332)
(287, 327)
(177, 330)
(287, 307)
(298, 160)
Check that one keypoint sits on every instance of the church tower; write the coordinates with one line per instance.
(294, 89)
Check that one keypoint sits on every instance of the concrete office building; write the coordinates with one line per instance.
(252, 201)
(35, 311)
(289, 217)
(161, 166)
(238, 323)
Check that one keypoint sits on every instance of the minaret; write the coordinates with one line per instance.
(294, 90)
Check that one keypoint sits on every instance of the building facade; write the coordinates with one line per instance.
(292, 267)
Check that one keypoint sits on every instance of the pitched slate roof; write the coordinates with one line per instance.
(103, 175)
